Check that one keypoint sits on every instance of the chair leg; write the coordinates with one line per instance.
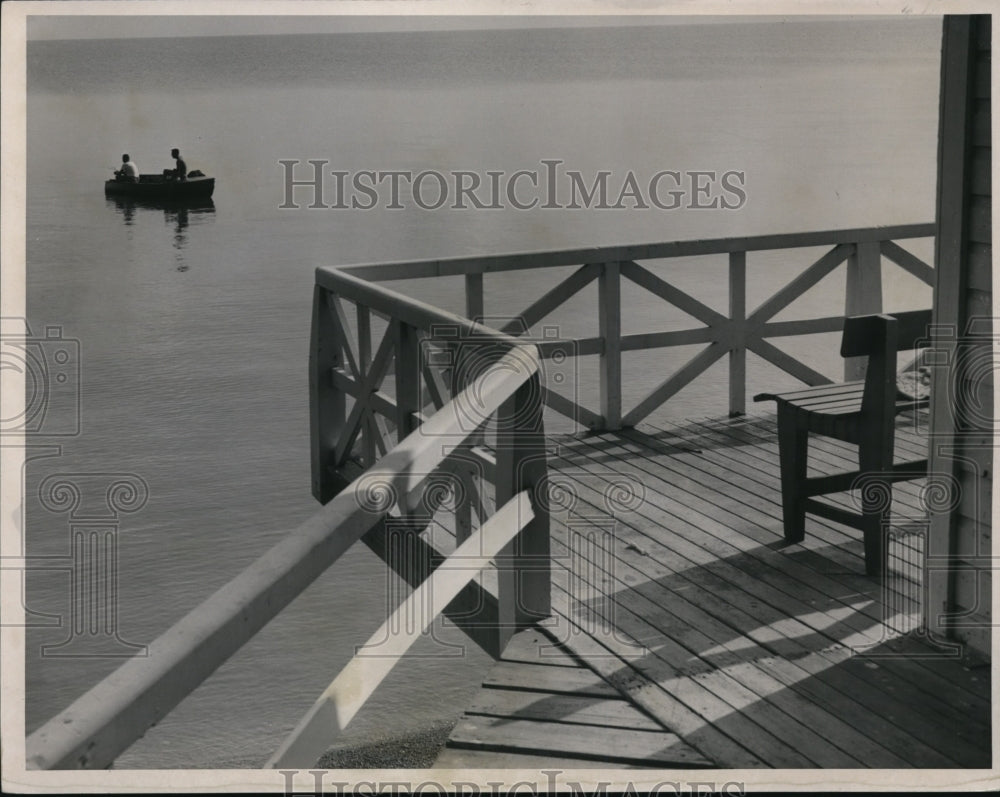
(793, 450)
(875, 461)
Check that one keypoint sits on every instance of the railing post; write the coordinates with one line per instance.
(327, 406)
(364, 339)
(407, 346)
(864, 294)
(524, 577)
(738, 345)
(474, 306)
(364, 361)
(464, 356)
(610, 318)
(465, 486)
(406, 340)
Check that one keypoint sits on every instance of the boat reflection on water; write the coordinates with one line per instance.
(177, 214)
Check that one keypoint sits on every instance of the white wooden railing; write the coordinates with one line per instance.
(721, 334)
(463, 415)
(377, 506)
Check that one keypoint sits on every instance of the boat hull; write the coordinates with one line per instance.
(157, 188)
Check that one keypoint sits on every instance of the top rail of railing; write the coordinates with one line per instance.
(735, 333)
(485, 264)
(405, 309)
(114, 713)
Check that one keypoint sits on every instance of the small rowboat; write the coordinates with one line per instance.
(157, 187)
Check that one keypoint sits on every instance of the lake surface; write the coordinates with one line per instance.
(194, 325)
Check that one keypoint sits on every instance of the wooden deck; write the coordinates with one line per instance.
(539, 697)
(724, 647)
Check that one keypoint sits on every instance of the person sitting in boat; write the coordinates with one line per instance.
(180, 172)
(129, 172)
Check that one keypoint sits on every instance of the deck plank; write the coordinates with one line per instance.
(534, 647)
(701, 530)
(815, 675)
(936, 683)
(751, 637)
(624, 746)
(760, 435)
(862, 586)
(459, 758)
(826, 454)
(747, 651)
(548, 678)
(716, 695)
(763, 492)
(677, 627)
(620, 662)
(527, 713)
(573, 709)
(765, 673)
(743, 448)
(700, 473)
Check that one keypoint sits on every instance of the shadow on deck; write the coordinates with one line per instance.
(724, 646)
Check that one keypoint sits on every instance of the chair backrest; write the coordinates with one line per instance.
(880, 337)
(866, 334)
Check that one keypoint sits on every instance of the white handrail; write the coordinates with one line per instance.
(109, 717)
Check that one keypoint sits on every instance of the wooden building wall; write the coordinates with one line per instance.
(959, 567)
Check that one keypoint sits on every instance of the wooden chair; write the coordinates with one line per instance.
(862, 413)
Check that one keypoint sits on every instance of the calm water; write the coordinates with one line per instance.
(194, 325)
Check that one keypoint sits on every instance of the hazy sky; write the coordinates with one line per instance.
(87, 26)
